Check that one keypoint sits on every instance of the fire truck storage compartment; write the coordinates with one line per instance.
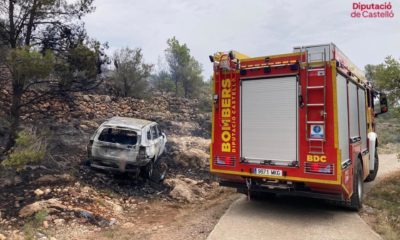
(363, 118)
(269, 120)
(343, 117)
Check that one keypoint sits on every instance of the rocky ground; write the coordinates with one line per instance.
(62, 199)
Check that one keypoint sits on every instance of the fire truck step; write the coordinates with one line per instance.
(315, 104)
(316, 140)
(316, 152)
(316, 122)
(315, 87)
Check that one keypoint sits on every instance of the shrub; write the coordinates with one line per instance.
(30, 147)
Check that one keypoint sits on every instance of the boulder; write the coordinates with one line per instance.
(54, 178)
(185, 189)
(86, 98)
(59, 221)
(50, 205)
(38, 192)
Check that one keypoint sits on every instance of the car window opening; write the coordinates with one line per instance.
(121, 136)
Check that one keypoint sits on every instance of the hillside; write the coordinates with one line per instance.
(60, 192)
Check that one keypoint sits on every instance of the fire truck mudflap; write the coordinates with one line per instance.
(296, 123)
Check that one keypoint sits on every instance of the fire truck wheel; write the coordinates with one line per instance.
(372, 174)
(358, 188)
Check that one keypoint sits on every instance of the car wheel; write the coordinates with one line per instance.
(159, 171)
(149, 170)
(146, 172)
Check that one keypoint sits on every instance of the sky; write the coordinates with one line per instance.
(253, 27)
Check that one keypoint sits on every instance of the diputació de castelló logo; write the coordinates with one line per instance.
(372, 10)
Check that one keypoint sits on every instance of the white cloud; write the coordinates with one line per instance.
(256, 28)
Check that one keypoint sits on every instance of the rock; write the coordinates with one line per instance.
(128, 225)
(115, 207)
(113, 221)
(59, 221)
(2, 237)
(83, 127)
(35, 207)
(181, 191)
(190, 181)
(91, 124)
(17, 180)
(40, 236)
(46, 224)
(47, 191)
(86, 189)
(107, 99)
(55, 178)
(38, 192)
(5, 182)
(86, 98)
(86, 214)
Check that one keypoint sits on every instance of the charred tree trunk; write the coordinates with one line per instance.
(14, 115)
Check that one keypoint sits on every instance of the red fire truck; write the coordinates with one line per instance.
(300, 123)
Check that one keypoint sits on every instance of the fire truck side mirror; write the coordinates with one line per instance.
(380, 104)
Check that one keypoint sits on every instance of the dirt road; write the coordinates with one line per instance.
(296, 218)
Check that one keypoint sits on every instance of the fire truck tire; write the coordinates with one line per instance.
(372, 174)
(358, 188)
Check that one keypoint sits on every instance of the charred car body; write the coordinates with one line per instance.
(128, 145)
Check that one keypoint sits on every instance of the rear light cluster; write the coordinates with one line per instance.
(225, 160)
(323, 168)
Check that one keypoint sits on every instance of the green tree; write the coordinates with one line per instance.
(49, 52)
(162, 81)
(386, 77)
(130, 78)
(184, 69)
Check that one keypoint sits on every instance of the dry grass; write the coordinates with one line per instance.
(383, 207)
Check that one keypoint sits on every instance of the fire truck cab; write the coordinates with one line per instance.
(300, 123)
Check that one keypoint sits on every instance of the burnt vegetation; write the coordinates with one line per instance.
(57, 86)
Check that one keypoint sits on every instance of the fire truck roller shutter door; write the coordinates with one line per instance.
(343, 127)
(363, 118)
(269, 120)
(353, 110)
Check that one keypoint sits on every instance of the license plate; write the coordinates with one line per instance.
(268, 172)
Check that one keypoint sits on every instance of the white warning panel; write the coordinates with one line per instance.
(317, 131)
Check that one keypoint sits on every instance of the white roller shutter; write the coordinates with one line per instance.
(343, 118)
(363, 118)
(353, 110)
(269, 120)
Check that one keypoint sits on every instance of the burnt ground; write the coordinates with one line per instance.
(103, 205)
(63, 199)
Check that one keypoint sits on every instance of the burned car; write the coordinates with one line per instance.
(128, 145)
